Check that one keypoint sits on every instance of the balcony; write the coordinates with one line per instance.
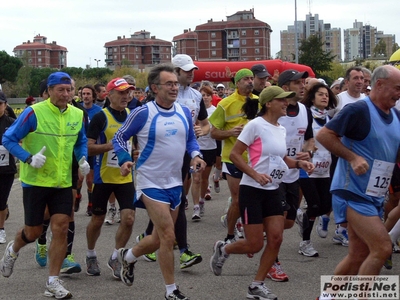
(233, 54)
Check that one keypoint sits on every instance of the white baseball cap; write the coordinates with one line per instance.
(184, 62)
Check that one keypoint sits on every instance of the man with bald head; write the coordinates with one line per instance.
(365, 137)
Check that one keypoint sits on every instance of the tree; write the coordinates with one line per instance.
(380, 49)
(395, 47)
(311, 53)
(9, 67)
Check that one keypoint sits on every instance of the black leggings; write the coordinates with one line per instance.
(317, 194)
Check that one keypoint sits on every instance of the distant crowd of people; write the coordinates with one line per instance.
(276, 139)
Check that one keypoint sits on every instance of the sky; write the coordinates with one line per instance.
(83, 27)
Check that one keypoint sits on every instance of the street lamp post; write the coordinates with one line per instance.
(97, 62)
(296, 42)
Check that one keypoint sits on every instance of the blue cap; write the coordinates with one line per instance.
(58, 78)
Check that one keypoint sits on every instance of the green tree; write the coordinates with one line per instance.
(9, 67)
(380, 49)
(311, 53)
(395, 47)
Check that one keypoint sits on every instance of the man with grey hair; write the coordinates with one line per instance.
(158, 125)
(367, 79)
(365, 137)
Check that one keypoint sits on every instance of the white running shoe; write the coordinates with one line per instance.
(322, 226)
(8, 260)
(110, 217)
(196, 214)
(307, 249)
(341, 237)
(55, 289)
(3, 236)
(260, 292)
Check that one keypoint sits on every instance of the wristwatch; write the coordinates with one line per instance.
(29, 160)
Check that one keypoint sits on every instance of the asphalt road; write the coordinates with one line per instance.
(197, 282)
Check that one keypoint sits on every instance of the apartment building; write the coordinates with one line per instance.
(40, 53)
(139, 50)
(241, 37)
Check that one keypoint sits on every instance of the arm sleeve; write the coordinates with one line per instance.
(309, 131)
(133, 124)
(217, 119)
(24, 124)
(96, 125)
(80, 148)
(353, 121)
(202, 112)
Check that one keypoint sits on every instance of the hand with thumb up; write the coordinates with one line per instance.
(38, 159)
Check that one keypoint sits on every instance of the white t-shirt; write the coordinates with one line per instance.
(343, 99)
(206, 142)
(266, 150)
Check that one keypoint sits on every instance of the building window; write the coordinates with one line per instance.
(115, 49)
(243, 32)
(257, 51)
(256, 32)
(39, 59)
(39, 52)
(136, 49)
(213, 53)
(213, 34)
(29, 52)
(115, 56)
(123, 49)
(213, 44)
(243, 42)
(167, 56)
(256, 42)
(244, 51)
(123, 56)
(137, 56)
(30, 60)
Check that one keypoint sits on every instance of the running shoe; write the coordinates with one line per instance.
(276, 273)
(239, 232)
(92, 266)
(41, 254)
(218, 258)
(56, 290)
(208, 194)
(299, 221)
(196, 214)
(3, 236)
(188, 259)
(322, 226)
(110, 217)
(216, 185)
(118, 216)
(261, 292)
(224, 221)
(176, 295)
(396, 248)
(202, 208)
(127, 275)
(77, 203)
(89, 211)
(307, 249)
(8, 260)
(150, 256)
(341, 237)
(115, 267)
(69, 266)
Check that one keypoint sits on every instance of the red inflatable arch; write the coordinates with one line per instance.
(215, 70)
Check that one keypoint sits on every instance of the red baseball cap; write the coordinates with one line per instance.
(119, 84)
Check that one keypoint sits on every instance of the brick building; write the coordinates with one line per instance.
(240, 37)
(40, 54)
(138, 51)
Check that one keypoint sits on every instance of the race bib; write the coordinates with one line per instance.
(322, 162)
(293, 146)
(379, 180)
(112, 159)
(4, 156)
(276, 169)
